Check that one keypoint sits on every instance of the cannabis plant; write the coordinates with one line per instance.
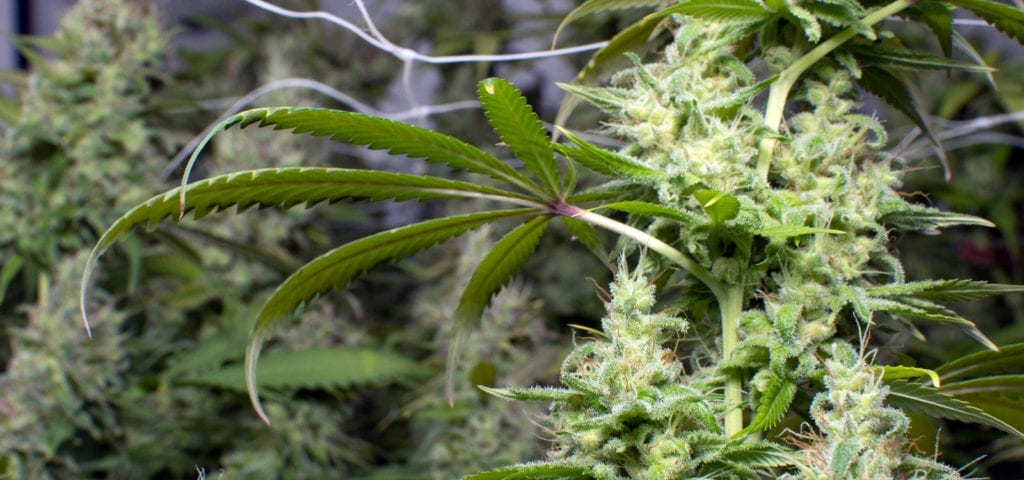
(754, 205)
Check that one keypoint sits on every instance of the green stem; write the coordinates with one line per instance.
(645, 239)
(779, 90)
(731, 307)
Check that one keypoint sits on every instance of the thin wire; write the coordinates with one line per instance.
(405, 54)
(356, 105)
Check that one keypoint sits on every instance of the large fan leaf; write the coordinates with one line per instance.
(728, 11)
(1000, 396)
(1009, 359)
(285, 187)
(520, 128)
(496, 269)
(586, 234)
(319, 368)
(383, 134)
(337, 267)
(882, 56)
(933, 403)
(1006, 18)
(595, 6)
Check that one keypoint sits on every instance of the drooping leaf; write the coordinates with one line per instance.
(726, 11)
(318, 368)
(939, 18)
(719, 206)
(496, 269)
(892, 90)
(536, 471)
(595, 6)
(1006, 18)
(882, 56)
(925, 310)
(337, 267)
(936, 404)
(377, 133)
(774, 404)
(897, 372)
(520, 129)
(1009, 359)
(945, 290)
(999, 396)
(284, 187)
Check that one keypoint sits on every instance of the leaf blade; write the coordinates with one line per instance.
(495, 270)
(337, 267)
(520, 129)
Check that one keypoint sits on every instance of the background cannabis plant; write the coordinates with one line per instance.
(754, 204)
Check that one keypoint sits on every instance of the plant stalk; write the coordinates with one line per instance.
(779, 91)
(645, 239)
(730, 306)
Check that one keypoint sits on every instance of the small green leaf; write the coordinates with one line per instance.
(520, 128)
(897, 372)
(719, 206)
(786, 231)
(607, 162)
(318, 368)
(933, 403)
(534, 394)
(496, 269)
(535, 471)
(925, 310)
(337, 267)
(7, 273)
(774, 404)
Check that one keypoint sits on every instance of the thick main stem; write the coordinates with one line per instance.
(779, 91)
(731, 308)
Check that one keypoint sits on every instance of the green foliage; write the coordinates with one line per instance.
(768, 224)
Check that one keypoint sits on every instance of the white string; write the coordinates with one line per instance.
(380, 41)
